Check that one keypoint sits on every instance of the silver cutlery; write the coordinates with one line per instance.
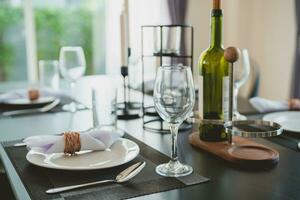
(124, 176)
(21, 144)
(45, 108)
(292, 140)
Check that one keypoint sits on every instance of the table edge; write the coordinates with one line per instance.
(15, 182)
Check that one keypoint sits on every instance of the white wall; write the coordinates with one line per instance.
(266, 28)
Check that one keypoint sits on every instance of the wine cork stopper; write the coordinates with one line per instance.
(216, 4)
(33, 94)
(231, 54)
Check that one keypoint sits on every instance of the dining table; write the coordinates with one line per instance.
(227, 181)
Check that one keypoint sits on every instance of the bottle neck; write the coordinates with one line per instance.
(216, 29)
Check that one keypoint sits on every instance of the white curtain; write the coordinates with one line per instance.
(141, 12)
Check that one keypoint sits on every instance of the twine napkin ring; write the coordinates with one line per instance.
(72, 142)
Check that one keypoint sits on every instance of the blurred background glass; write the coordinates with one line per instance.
(241, 74)
(104, 107)
(72, 65)
(49, 74)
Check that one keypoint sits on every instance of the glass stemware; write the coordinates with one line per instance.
(241, 74)
(49, 74)
(72, 66)
(174, 99)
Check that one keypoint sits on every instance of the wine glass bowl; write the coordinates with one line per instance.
(173, 108)
(71, 75)
(72, 66)
(174, 99)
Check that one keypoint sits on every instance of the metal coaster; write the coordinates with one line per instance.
(253, 128)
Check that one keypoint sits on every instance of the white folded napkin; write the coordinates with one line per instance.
(93, 140)
(23, 93)
(265, 105)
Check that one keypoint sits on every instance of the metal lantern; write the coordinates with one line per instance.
(162, 45)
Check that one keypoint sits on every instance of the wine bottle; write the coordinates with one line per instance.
(214, 82)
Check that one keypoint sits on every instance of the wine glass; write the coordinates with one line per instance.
(241, 74)
(174, 99)
(49, 74)
(72, 66)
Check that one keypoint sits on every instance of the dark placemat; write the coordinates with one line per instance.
(4, 185)
(37, 180)
(59, 108)
(287, 139)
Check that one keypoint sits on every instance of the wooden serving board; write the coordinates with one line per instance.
(243, 152)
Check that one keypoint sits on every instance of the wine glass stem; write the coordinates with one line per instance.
(174, 132)
(72, 85)
(235, 95)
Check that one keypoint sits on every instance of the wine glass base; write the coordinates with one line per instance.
(238, 116)
(72, 107)
(173, 169)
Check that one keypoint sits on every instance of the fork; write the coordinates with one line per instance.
(43, 109)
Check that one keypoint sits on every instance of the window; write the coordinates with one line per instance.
(12, 41)
(54, 23)
(32, 30)
(71, 23)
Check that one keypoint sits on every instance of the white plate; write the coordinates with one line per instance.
(122, 151)
(289, 120)
(26, 101)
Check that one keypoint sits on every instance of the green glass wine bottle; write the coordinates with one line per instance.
(214, 82)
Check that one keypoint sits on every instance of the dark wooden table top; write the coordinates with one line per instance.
(227, 181)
